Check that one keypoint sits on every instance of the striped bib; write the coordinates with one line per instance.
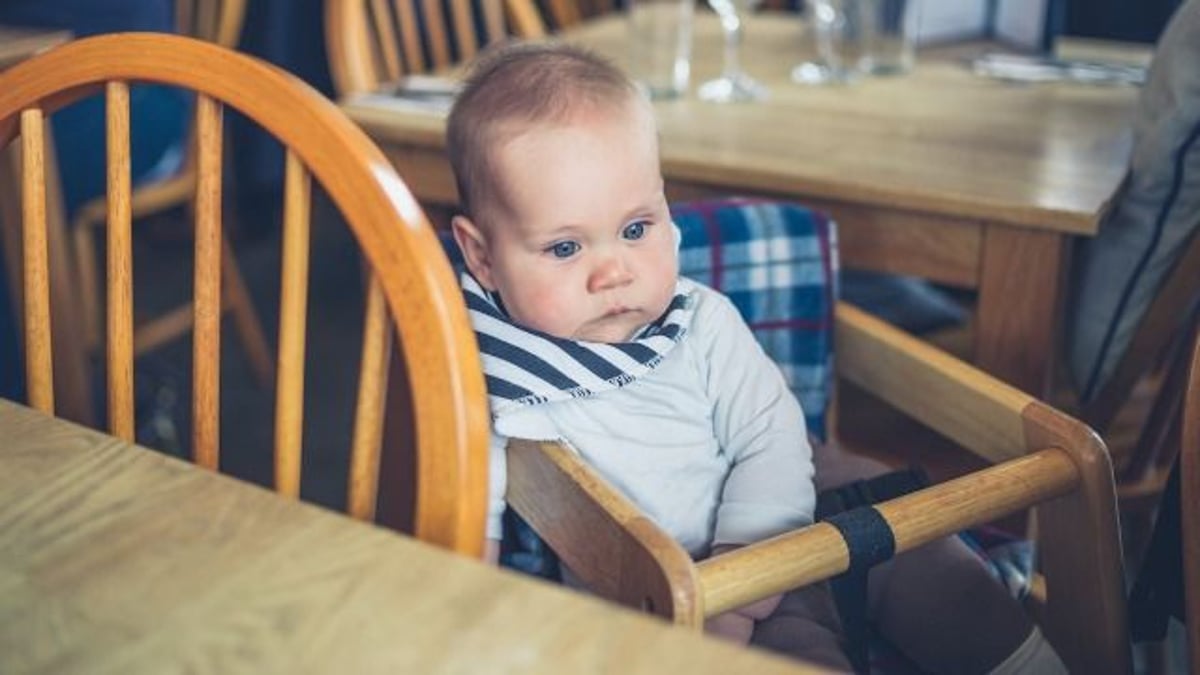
(525, 367)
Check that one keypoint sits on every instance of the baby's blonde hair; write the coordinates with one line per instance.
(512, 87)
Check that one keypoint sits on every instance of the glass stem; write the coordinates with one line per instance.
(732, 26)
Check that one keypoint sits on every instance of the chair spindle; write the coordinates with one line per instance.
(462, 13)
(120, 265)
(386, 39)
(206, 356)
(368, 416)
(39, 370)
(289, 402)
(494, 25)
(435, 32)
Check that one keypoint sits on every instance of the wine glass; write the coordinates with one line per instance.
(733, 84)
(835, 29)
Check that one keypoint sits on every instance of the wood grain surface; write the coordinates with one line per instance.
(938, 173)
(939, 140)
(450, 415)
(116, 559)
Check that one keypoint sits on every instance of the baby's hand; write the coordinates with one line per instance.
(731, 626)
(738, 624)
(761, 609)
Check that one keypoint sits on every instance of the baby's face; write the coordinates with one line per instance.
(585, 248)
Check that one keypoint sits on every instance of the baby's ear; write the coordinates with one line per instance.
(474, 249)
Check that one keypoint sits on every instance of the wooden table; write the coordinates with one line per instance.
(939, 173)
(117, 559)
(72, 372)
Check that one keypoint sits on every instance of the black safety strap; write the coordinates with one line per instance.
(870, 541)
(878, 489)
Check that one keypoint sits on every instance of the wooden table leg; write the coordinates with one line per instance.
(1017, 319)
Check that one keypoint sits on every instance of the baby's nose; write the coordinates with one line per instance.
(611, 273)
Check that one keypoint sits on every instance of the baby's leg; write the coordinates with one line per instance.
(937, 604)
(805, 626)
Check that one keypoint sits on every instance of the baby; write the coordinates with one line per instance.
(589, 336)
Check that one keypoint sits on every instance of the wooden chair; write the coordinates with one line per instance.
(1137, 286)
(1167, 583)
(1189, 467)
(219, 22)
(409, 270)
(375, 41)
(1156, 358)
(566, 13)
(1040, 458)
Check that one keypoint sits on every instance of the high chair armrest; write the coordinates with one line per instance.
(604, 539)
(1078, 536)
(817, 552)
(954, 398)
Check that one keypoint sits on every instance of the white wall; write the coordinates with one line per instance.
(1016, 21)
(1021, 21)
(945, 20)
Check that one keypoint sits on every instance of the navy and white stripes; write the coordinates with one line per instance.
(525, 367)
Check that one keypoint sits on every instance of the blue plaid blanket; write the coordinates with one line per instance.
(777, 262)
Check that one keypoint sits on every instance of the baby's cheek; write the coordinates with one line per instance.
(549, 306)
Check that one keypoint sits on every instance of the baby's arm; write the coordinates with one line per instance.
(759, 424)
(760, 428)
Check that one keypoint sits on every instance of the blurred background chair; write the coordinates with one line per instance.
(409, 275)
(371, 42)
(1190, 477)
(1137, 407)
(1136, 286)
(567, 13)
(1167, 584)
(1039, 457)
(172, 184)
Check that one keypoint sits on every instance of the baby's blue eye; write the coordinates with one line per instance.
(634, 231)
(564, 249)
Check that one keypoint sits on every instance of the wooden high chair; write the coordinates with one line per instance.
(408, 269)
(219, 22)
(371, 42)
(1041, 459)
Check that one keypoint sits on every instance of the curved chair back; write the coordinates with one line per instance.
(409, 271)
